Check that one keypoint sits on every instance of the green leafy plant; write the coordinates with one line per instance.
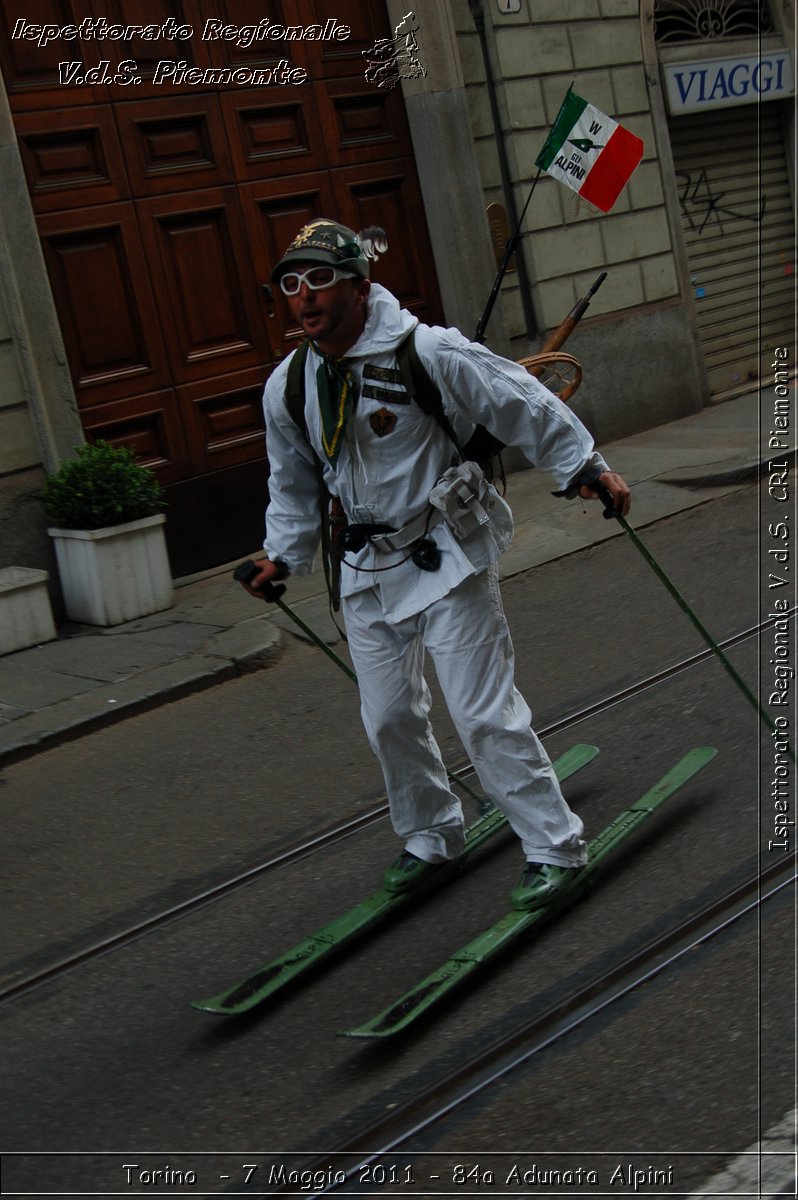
(103, 485)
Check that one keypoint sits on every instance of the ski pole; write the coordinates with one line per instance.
(611, 512)
(272, 593)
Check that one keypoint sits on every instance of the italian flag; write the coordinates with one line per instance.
(590, 152)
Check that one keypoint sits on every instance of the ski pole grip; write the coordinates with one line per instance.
(247, 570)
(610, 510)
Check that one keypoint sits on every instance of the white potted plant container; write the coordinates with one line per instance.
(25, 615)
(108, 535)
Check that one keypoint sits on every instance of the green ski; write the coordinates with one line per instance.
(312, 950)
(491, 941)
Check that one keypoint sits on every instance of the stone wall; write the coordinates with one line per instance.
(535, 55)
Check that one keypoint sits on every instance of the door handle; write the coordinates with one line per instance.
(269, 297)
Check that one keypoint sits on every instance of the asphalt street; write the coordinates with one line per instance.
(109, 1061)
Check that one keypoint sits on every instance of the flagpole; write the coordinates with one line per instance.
(553, 125)
(510, 249)
(478, 17)
(513, 241)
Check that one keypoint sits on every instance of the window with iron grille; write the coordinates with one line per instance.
(678, 21)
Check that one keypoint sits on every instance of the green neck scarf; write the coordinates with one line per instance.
(335, 388)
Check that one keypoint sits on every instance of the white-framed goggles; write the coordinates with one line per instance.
(317, 278)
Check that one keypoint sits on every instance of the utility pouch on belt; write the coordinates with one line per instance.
(468, 502)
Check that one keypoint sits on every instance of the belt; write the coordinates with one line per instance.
(388, 541)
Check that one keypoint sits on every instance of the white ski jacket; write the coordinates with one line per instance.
(393, 454)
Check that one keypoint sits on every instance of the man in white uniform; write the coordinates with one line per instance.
(418, 578)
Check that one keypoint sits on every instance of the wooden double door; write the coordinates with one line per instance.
(163, 203)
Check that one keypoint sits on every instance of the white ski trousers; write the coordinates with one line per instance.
(466, 635)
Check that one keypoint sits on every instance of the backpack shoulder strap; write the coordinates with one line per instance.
(482, 447)
(295, 403)
(295, 386)
(418, 384)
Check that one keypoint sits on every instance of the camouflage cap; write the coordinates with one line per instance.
(327, 242)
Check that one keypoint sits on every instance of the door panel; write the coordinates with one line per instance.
(362, 123)
(102, 292)
(206, 289)
(388, 194)
(148, 425)
(174, 147)
(334, 57)
(237, 37)
(188, 52)
(71, 157)
(272, 133)
(275, 211)
(30, 69)
(223, 418)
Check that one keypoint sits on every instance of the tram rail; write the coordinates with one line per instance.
(381, 1143)
(347, 828)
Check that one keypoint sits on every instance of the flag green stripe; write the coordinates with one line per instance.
(571, 110)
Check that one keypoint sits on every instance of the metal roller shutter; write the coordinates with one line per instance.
(738, 227)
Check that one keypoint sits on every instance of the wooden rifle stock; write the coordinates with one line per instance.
(564, 330)
(483, 446)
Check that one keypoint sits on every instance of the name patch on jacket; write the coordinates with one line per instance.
(380, 393)
(384, 374)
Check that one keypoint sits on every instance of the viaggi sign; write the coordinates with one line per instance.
(720, 82)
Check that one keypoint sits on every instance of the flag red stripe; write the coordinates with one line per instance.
(615, 164)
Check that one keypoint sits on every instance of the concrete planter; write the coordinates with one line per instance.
(116, 574)
(26, 618)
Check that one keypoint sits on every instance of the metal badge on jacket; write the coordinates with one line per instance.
(383, 421)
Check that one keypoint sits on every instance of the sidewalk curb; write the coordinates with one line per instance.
(727, 471)
(247, 647)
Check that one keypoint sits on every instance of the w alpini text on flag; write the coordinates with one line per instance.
(99, 29)
(590, 152)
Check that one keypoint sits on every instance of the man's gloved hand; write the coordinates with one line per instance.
(259, 578)
(615, 486)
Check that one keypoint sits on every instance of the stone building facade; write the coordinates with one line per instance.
(702, 232)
